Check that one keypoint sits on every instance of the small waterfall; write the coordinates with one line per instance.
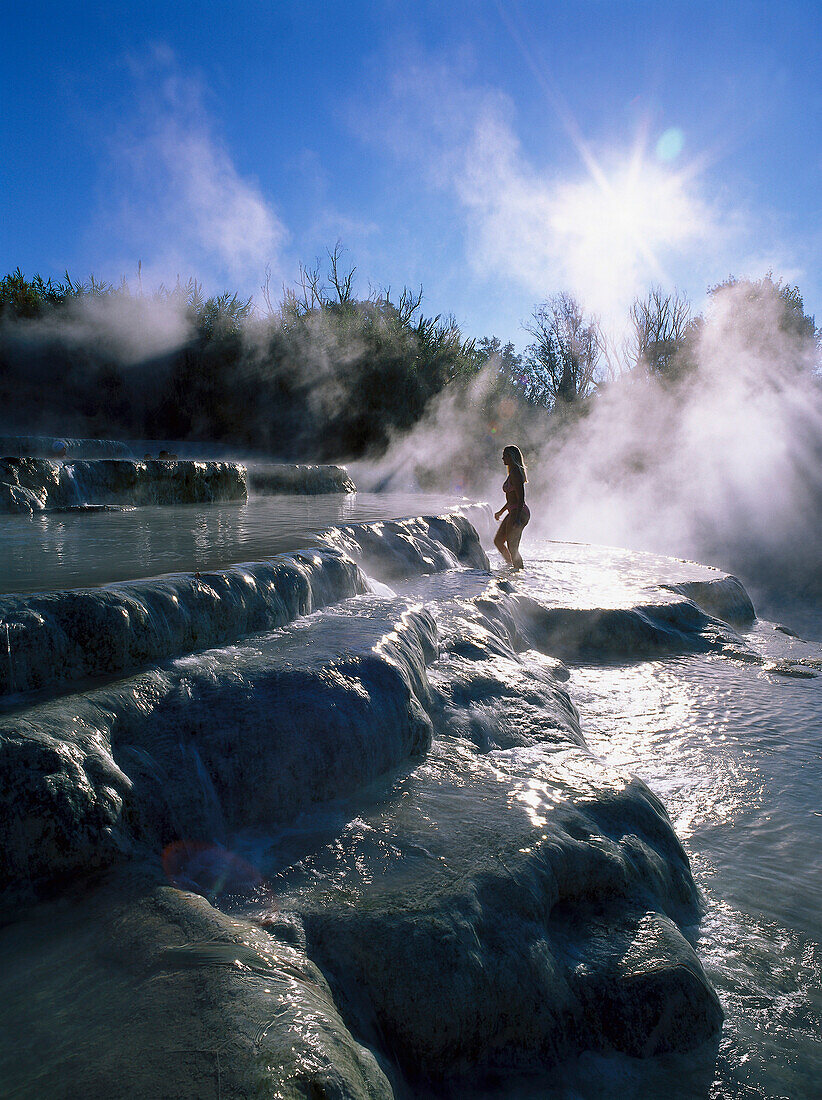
(73, 480)
(11, 664)
(212, 815)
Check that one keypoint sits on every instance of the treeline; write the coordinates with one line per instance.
(320, 374)
(323, 374)
(571, 357)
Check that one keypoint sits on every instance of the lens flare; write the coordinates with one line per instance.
(670, 144)
(212, 870)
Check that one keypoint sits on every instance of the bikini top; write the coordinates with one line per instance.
(507, 487)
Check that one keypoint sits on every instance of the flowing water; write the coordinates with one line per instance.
(734, 749)
(735, 752)
(732, 746)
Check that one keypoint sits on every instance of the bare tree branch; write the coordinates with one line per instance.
(408, 304)
(659, 323)
(342, 283)
(562, 363)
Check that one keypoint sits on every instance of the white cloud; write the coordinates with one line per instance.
(183, 205)
(604, 232)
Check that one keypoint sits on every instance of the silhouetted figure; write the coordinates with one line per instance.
(510, 530)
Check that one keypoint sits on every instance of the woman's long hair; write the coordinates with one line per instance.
(512, 456)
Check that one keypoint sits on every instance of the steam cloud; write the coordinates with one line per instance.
(725, 467)
(129, 330)
(177, 203)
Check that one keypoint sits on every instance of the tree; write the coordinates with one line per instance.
(509, 364)
(560, 366)
(751, 301)
(659, 327)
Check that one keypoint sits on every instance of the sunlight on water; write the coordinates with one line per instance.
(571, 574)
(643, 718)
(731, 745)
(733, 751)
(73, 550)
(734, 754)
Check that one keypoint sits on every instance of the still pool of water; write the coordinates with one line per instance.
(53, 550)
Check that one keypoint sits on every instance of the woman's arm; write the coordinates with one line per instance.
(504, 508)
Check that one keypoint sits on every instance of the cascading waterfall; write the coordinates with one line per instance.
(11, 685)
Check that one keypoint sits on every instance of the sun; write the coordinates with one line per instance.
(617, 225)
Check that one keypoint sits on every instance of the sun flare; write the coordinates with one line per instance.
(618, 226)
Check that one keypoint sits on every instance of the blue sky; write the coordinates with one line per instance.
(493, 152)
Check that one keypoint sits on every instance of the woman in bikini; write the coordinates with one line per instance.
(510, 531)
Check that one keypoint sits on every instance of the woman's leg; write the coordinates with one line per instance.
(514, 536)
(499, 540)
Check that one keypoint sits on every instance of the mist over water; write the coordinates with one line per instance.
(723, 465)
(727, 743)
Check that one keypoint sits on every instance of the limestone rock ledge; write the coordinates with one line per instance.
(54, 638)
(397, 549)
(248, 734)
(425, 822)
(160, 995)
(273, 478)
(512, 901)
(29, 485)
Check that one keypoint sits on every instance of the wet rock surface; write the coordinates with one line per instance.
(158, 994)
(269, 479)
(253, 733)
(723, 597)
(412, 547)
(29, 485)
(58, 637)
(536, 896)
(427, 881)
(55, 638)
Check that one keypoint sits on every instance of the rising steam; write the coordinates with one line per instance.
(724, 466)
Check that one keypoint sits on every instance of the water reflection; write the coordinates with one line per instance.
(733, 752)
(576, 575)
(73, 550)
